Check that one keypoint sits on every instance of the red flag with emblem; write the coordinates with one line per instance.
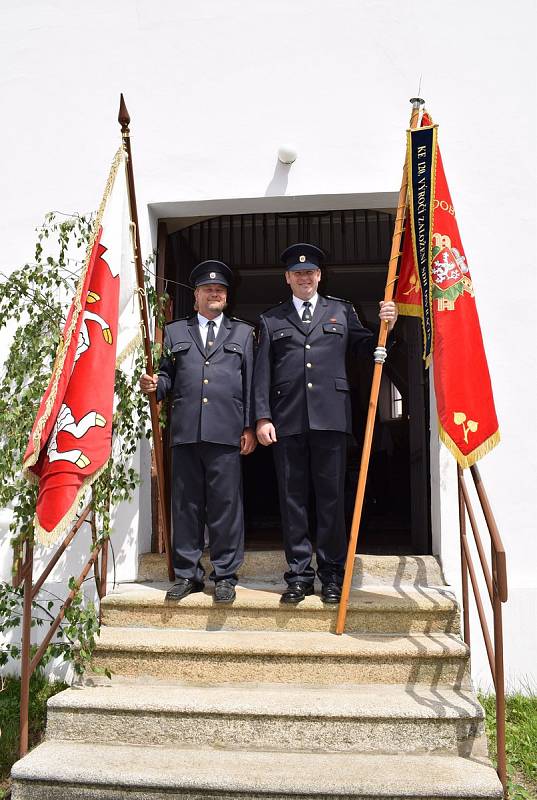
(71, 438)
(468, 425)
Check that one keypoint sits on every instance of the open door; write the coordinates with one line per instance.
(396, 517)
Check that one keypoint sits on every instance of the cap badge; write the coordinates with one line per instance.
(212, 274)
(302, 259)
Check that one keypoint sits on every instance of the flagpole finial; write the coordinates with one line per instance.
(123, 117)
(417, 102)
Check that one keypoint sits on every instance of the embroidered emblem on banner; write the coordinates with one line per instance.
(450, 274)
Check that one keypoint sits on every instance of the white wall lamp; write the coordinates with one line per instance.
(287, 154)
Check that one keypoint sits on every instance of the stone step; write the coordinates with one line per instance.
(367, 718)
(271, 565)
(67, 770)
(283, 657)
(377, 609)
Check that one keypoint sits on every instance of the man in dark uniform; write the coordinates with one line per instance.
(207, 368)
(303, 409)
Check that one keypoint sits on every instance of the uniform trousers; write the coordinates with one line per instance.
(323, 455)
(207, 489)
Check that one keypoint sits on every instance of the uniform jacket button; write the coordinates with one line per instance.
(205, 400)
(310, 385)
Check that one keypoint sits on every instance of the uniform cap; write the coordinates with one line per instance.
(302, 256)
(211, 272)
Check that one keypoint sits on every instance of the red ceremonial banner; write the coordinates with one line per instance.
(468, 425)
(71, 438)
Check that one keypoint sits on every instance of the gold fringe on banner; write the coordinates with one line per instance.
(129, 349)
(48, 538)
(407, 310)
(466, 461)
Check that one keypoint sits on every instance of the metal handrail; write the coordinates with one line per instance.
(496, 582)
(25, 560)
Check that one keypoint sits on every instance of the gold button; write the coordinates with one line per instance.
(278, 392)
(205, 400)
(310, 385)
(308, 365)
(334, 329)
(207, 363)
(206, 380)
(308, 347)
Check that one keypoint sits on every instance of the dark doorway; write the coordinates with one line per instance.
(396, 517)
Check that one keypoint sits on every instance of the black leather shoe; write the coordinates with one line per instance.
(331, 593)
(296, 592)
(224, 592)
(183, 587)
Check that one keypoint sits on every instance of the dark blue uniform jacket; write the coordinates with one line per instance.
(300, 378)
(210, 395)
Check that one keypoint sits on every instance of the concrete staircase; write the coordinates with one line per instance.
(259, 700)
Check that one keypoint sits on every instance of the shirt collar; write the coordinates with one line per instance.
(203, 321)
(299, 304)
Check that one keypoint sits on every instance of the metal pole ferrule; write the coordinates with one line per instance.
(380, 354)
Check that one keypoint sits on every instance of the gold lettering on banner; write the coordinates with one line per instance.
(443, 304)
(459, 418)
(444, 206)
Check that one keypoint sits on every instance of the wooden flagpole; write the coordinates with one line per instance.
(124, 120)
(380, 356)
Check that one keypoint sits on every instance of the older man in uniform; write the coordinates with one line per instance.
(207, 368)
(303, 409)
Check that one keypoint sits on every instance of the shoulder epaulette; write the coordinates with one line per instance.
(277, 305)
(179, 319)
(246, 321)
(340, 299)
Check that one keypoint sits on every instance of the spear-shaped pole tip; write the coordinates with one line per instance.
(123, 116)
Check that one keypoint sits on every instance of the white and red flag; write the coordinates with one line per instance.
(71, 439)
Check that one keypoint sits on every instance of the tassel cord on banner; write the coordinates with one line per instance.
(380, 356)
(124, 121)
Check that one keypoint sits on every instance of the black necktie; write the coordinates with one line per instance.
(306, 313)
(210, 337)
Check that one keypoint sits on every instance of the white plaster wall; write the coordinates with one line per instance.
(215, 87)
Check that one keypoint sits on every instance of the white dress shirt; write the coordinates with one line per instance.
(299, 304)
(203, 322)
